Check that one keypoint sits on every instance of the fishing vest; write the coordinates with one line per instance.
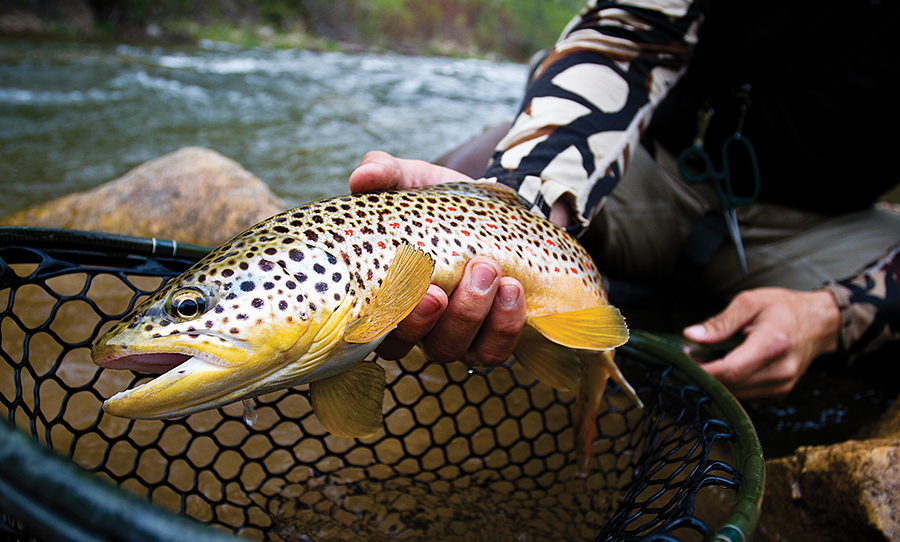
(823, 110)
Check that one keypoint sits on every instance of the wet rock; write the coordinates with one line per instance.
(847, 491)
(193, 195)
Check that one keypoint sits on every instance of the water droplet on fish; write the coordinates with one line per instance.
(249, 412)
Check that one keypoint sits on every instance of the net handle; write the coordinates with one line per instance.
(54, 238)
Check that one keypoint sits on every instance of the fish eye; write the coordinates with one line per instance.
(187, 303)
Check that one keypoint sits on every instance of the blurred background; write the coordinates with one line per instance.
(294, 90)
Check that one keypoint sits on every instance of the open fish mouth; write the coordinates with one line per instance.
(153, 363)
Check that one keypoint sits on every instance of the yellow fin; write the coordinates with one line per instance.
(407, 279)
(597, 369)
(594, 375)
(595, 328)
(552, 364)
(349, 404)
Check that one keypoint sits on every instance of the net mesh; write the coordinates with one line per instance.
(464, 455)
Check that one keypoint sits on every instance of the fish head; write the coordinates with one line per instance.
(219, 332)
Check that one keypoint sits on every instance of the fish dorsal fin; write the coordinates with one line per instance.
(594, 328)
(407, 279)
(349, 404)
(551, 363)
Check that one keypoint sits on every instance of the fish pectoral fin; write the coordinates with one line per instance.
(594, 328)
(407, 279)
(349, 404)
(553, 364)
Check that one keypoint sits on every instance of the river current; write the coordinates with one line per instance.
(74, 115)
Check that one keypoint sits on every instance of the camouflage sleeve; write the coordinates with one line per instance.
(870, 306)
(589, 100)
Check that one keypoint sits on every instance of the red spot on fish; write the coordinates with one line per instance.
(465, 232)
(454, 253)
(551, 243)
(420, 243)
(381, 245)
(394, 225)
(556, 270)
(492, 226)
(574, 270)
(498, 246)
(451, 209)
(429, 220)
(348, 233)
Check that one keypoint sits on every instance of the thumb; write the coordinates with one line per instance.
(723, 325)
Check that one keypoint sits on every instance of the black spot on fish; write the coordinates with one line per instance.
(336, 277)
(301, 277)
(282, 305)
(321, 287)
(280, 229)
(148, 327)
(208, 324)
(241, 316)
(291, 284)
(244, 266)
(230, 296)
(247, 286)
(337, 297)
(331, 259)
(296, 255)
(266, 265)
(271, 251)
(268, 285)
(234, 331)
(318, 268)
(311, 235)
(227, 273)
(257, 303)
(367, 246)
(219, 309)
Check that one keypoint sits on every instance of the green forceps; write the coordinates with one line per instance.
(696, 167)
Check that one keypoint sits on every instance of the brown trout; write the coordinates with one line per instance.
(306, 295)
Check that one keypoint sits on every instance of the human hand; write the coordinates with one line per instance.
(784, 331)
(483, 317)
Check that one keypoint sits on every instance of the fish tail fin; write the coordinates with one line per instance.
(594, 376)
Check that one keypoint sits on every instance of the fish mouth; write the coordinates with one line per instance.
(187, 383)
(152, 363)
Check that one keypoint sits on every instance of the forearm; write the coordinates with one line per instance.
(589, 101)
(870, 305)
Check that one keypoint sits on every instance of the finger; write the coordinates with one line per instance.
(741, 311)
(500, 332)
(468, 307)
(414, 327)
(380, 171)
(376, 172)
(757, 367)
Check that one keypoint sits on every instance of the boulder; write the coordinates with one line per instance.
(845, 491)
(193, 195)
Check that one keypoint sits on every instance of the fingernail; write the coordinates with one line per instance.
(483, 276)
(427, 306)
(508, 295)
(695, 332)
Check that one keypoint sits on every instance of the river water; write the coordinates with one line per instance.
(74, 115)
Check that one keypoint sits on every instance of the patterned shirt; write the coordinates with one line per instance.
(586, 108)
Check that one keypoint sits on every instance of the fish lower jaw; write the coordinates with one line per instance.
(149, 401)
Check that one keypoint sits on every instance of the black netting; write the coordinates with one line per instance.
(464, 455)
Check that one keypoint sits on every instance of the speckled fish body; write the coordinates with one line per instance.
(304, 296)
